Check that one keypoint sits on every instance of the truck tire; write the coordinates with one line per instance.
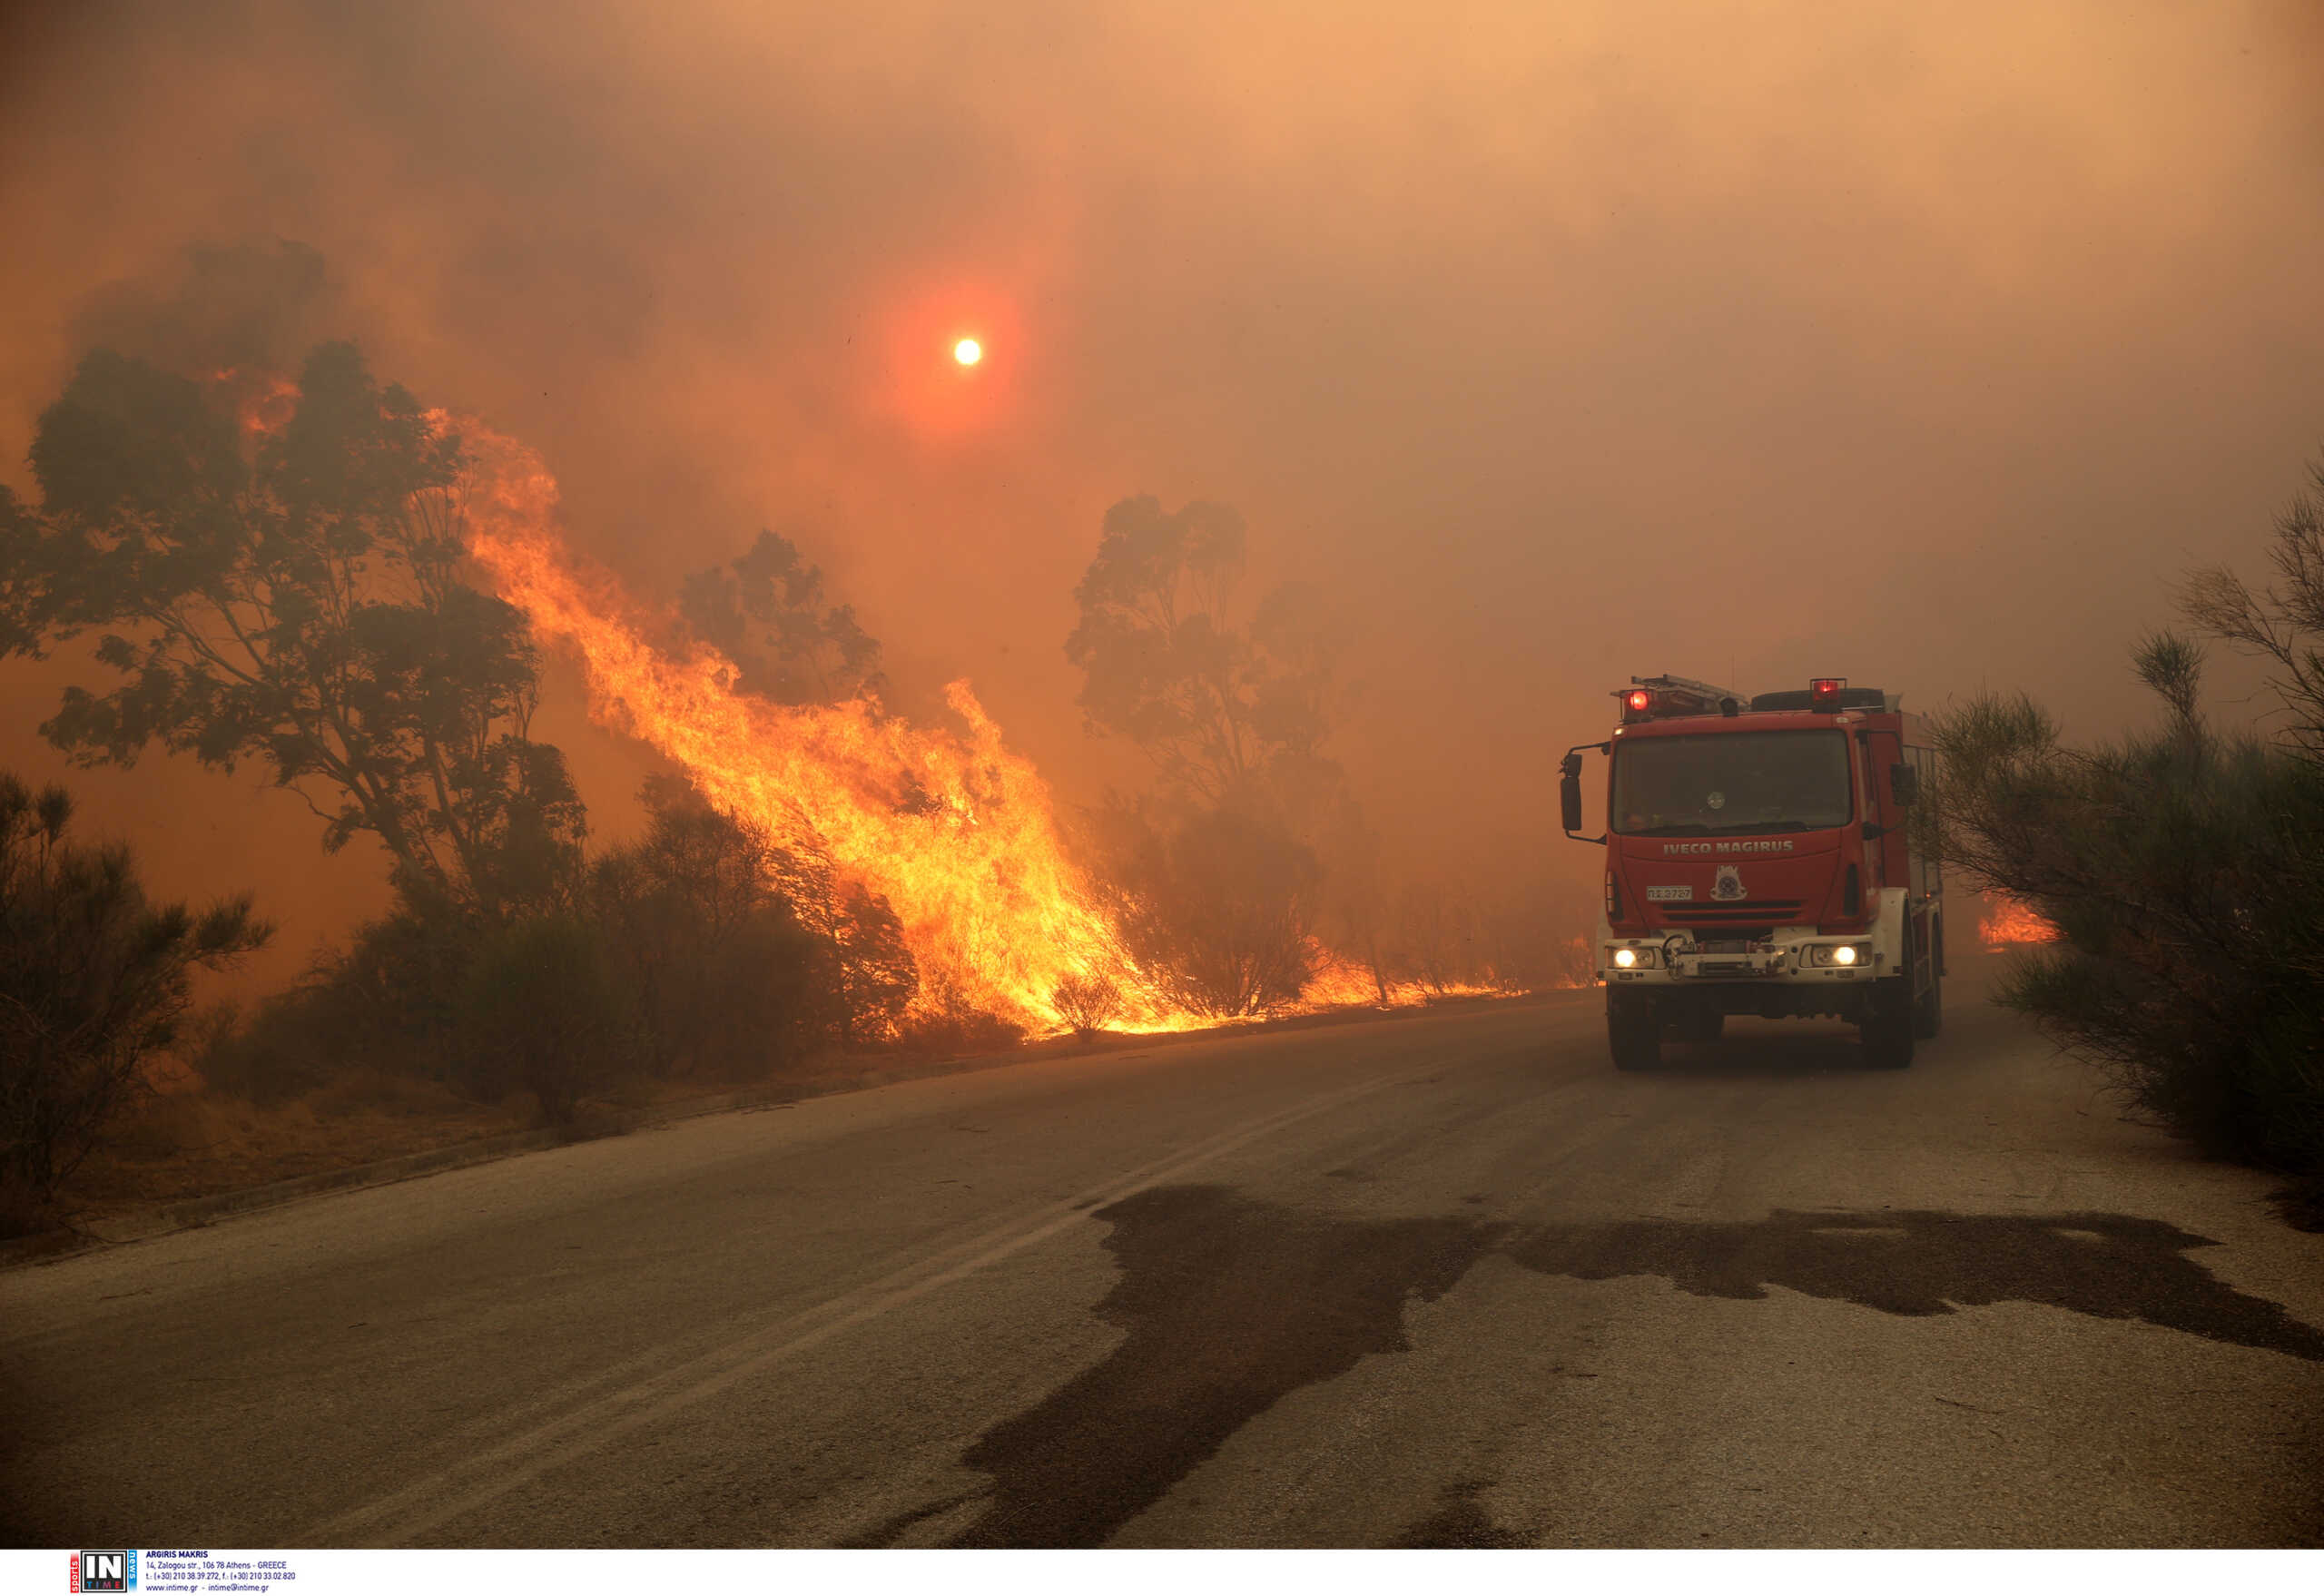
(1633, 1030)
(1928, 1014)
(1888, 1024)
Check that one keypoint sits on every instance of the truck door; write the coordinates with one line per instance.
(1901, 864)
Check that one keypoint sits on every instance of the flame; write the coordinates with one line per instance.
(264, 401)
(953, 829)
(2010, 922)
(1341, 982)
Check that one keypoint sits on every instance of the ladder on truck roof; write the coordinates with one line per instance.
(1709, 693)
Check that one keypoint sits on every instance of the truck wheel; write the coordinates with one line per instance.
(1633, 1030)
(1888, 1025)
(1928, 1014)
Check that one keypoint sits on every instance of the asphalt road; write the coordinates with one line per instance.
(1445, 1280)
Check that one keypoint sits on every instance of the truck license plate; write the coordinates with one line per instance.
(1670, 895)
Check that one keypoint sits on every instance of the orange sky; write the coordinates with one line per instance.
(1919, 344)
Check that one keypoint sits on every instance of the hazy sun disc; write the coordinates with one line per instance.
(968, 352)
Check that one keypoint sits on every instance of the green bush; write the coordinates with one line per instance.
(2184, 874)
(2184, 869)
(543, 1011)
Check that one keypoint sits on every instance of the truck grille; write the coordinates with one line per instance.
(1754, 912)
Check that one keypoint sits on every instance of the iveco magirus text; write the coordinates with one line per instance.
(1758, 862)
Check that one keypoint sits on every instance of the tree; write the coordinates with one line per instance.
(1221, 704)
(764, 610)
(296, 606)
(2282, 623)
(93, 980)
(1220, 879)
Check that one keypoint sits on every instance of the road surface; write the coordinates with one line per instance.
(1442, 1280)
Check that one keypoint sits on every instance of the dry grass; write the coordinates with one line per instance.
(189, 1143)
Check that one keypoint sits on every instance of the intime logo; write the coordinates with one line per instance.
(105, 1570)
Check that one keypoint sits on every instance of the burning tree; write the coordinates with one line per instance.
(289, 598)
(1220, 879)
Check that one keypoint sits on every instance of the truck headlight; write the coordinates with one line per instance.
(1632, 958)
(1847, 955)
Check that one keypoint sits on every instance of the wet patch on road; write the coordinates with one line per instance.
(1231, 1303)
(1459, 1523)
(2106, 1266)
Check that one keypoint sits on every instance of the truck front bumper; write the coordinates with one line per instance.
(1794, 956)
(1691, 965)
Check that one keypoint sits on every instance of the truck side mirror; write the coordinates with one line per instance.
(1905, 784)
(1570, 791)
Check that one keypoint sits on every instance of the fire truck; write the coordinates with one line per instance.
(1759, 861)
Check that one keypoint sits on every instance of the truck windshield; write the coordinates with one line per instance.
(1729, 783)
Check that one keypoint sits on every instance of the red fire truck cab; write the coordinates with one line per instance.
(1758, 862)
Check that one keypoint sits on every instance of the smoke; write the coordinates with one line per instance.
(1560, 343)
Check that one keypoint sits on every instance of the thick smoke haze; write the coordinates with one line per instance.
(1924, 345)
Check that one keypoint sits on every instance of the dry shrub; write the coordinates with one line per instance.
(1085, 1002)
(383, 1091)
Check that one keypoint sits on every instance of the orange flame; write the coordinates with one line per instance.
(953, 829)
(2010, 922)
(264, 400)
(1341, 982)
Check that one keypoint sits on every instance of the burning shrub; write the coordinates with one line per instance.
(1436, 939)
(1220, 904)
(947, 1024)
(93, 981)
(743, 955)
(2008, 924)
(1085, 1002)
(872, 974)
(1577, 962)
